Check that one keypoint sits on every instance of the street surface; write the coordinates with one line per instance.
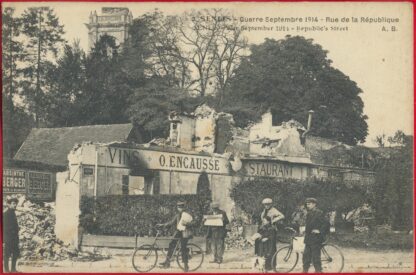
(356, 260)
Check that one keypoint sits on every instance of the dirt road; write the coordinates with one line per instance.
(356, 260)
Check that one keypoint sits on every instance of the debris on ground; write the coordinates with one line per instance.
(37, 240)
(235, 238)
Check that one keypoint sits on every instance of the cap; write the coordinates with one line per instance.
(180, 203)
(311, 200)
(13, 199)
(215, 205)
(267, 201)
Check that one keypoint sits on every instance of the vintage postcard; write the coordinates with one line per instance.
(206, 137)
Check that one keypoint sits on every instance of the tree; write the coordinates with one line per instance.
(156, 37)
(380, 140)
(104, 96)
(292, 76)
(393, 198)
(67, 86)
(399, 139)
(197, 51)
(43, 34)
(156, 74)
(17, 124)
(11, 49)
(212, 46)
(150, 105)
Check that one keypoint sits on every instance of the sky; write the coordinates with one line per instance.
(380, 62)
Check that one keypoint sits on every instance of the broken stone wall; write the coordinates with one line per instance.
(186, 132)
(220, 189)
(205, 126)
(283, 140)
(67, 207)
(224, 132)
(262, 129)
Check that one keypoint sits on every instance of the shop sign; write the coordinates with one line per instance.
(14, 181)
(167, 161)
(39, 185)
(36, 185)
(268, 169)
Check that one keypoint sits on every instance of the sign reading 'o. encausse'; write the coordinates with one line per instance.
(122, 157)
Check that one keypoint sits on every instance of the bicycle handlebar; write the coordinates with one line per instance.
(288, 228)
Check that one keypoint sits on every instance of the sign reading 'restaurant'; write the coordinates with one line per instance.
(166, 161)
(268, 169)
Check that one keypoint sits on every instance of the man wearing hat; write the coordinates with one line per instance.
(181, 221)
(274, 214)
(316, 230)
(217, 234)
(10, 235)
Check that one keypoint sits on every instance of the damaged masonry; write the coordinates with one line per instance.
(203, 144)
(205, 154)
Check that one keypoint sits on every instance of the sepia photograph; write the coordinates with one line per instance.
(229, 137)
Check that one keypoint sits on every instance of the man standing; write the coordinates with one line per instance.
(271, 212)
(10, 235)
(217, 234)
(181, 221)
(316, 229)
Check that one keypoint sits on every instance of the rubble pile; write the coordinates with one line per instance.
(37, 239)
(235, 237)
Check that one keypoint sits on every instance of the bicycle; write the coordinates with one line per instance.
(145, 257)
(286, 258)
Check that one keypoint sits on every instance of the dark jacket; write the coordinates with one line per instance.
(267, 248)
(218, 232)
(315, 219)
(10, 228)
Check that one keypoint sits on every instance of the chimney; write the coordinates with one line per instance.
(309, 120)
(303, 137)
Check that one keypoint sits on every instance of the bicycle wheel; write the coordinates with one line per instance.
(144, 258)
(332, 259)
(285, 259)
(195, 257)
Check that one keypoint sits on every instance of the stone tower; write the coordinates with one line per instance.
(112, 21)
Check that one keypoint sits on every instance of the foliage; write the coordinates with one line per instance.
(11, 49)
(153, 35)
(150, 105)
(196, 55)
(67, 86)
(388, 240)
(292, 76)
(106, 89)
(156, 73)
(43, 34)
(287, 195)
(212, 48)
(393, 197)
(130, 215)
(380, 140)
(357, 156)
(17, 124)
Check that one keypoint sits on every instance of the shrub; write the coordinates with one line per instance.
(289, 194)
(130, 215)
(393, 198)
(377, 241)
